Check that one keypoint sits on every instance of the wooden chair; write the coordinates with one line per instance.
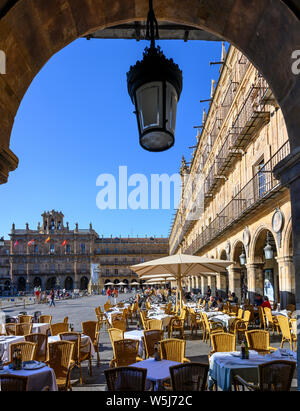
(60, 360)
(120, 324)
(10, 329)
(151, 338)
(189, 376)
(27, 319)
(126, 353)
(240, 313)
(41, 340)
(154, 324)
(262, 318)
(91, 328)
(115, 334)
(177, 324)
(101, 317)
(259, 340)
(242, 325)
(23, 329)
(28, 350)
(107, 306)
(196, 321)
(173, 349)
(223, 342)
(210, 327)
(116, 316)
(13, 383)
(286, 332)
(272, 376)
(81, 352)
(271, 320)
(45, 319)
(58, 328)
(143, 318)
(126, 379)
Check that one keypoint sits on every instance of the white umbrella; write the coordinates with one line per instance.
(134, 283)
(180, 266)
(121, 283)
(109, 283)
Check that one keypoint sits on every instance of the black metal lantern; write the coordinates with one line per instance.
(154, 85)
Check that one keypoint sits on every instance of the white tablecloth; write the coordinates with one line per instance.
(282, 312)
(5, 342)
(37, 379)
(84, 339)
(115, 311)
(136, 335)
(41, 328)
(225, 319)
(223, 366)
(163, 317)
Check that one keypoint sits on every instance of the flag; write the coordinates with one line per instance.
(16, 243)
(30, 242)
(47, 241)
(64, 243)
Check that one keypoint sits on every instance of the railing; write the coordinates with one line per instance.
(228, 98)
(242, 68)
(256, 191)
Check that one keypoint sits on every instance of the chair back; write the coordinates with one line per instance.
(247, 315)
(284, 326)
(107, 306)
(10, 329)
(90, 328)
(154, 324)
(13, 383)
(240, 313)
(172, 349)
(293, 322)
(45, 319)
(151, 338)
(276, 375)
(59, 328)
(41, 340)
(126, 379)
(120, 324)
(189, 376)
(126, 352)
(116, 316)
(28, 350)
(223, 342)
(60, 358)
(258, 340)
(23, 329)
(115, 334)
(25, 319)
(268, 313)
(291, 307)
(74, 338)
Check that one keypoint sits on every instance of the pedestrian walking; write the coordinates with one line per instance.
(52, 297)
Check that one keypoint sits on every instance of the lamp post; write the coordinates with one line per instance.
(154, 85)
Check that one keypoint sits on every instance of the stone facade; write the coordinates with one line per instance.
(53, 256)
(241, 207)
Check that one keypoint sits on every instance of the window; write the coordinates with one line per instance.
(68, 248)
(116, 261)
(261, 179)
(52, 268)
(116, 251)
(82, 246)
(116, 271)
(52, 249)
(107, 271)
(36, 249)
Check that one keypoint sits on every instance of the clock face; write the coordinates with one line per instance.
(277, 221)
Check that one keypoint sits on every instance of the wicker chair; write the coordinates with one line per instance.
(271, 320)
(262, 318)
(126, 353)
(240, 313)
(60, 360)
(23, 329)
(259, 340)
(126, 379)
(82, 352)
(151, 338)
(177, 324)
(28, 350)
(272, 376)
(25, 319)
(66, 319)
(101, 317)
(10, 329)
(107, 306)
(291, 307)
(14, 383)
(45, 319)
(115, 334)
(196, 321)
(223, 342)
(116, 316)
(211, 327)
(120, 324)
(41, 340)
(189, 376)
(154, 324)
(58, 328)
(173, 349)
(91, 328)
(286, 332)
(242, 325)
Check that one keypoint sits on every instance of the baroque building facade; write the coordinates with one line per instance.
(232, 207)
(54, 256)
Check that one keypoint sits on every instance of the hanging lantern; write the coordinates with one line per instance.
(268, 250)
(154, 85)
(243, 259)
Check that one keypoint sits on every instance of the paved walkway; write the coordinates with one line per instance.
(82, 309)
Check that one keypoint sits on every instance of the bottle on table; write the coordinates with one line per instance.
(246, 350)
(156, 353)
(243, 351)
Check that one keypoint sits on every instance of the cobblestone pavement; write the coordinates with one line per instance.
(82, 309)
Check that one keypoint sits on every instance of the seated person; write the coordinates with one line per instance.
(212, 302)
(220, 304)
(234, 298)
(266, 303)
(258, 300)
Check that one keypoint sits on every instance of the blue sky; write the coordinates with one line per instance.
(76, 122)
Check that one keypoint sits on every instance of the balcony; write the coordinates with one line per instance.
(228, 98)
(261, 188)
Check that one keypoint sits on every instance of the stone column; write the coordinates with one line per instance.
(255, 280)
(221, 284)
(212, 282)
(204, 284)
(286, 280)
(234, 276)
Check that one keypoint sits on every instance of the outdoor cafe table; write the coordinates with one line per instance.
(157, 371)
(109, 313)
(37, 379)
(225, 319)
(223, 366)
(136, 335)
(5, 342)
(84, 339)
(165, 318)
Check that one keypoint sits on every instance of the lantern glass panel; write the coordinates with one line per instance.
(149, 98)
(171, 107)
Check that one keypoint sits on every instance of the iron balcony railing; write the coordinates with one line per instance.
(261, 187)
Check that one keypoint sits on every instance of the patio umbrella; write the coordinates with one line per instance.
(180, 266)
(109, 284)
(135, 283)
(121, 283)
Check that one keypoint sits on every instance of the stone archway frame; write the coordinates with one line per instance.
(32, 31)
(255, 236)
(286, 235)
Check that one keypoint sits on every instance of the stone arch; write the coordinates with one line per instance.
(223, 255)
(266, 32)
(257, 237)
(37, 282)
(69, 283)
(50, 283)
(286, 240)
(84, 282)
(21, 284)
